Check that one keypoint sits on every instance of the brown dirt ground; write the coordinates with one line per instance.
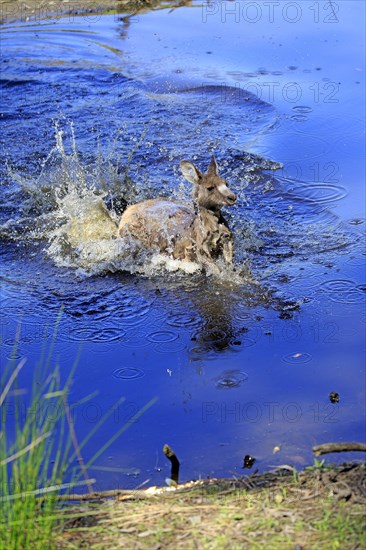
(314, 509)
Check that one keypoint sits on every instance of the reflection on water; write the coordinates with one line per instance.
(241, 364)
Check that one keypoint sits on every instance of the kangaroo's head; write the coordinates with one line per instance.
(209, 190)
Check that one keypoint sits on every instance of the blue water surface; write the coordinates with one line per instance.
(228, 367)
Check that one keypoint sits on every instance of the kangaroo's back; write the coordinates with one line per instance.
(157, 222)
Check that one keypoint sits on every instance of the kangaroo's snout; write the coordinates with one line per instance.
(226, 196)
(231, 199)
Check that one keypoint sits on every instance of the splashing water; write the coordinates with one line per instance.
(80, 189)
(75, 206)
(66, 205)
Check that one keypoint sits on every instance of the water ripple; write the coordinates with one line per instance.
(231, 379)
(162, 336)
(91, 334)
(299, 118)
(297, 358)
(303, 109)
(344, 291)
(315, 193)
(131, 309)
(128, 373)
(182, 320)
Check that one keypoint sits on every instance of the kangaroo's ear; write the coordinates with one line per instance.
(212, 169)
(190, 172)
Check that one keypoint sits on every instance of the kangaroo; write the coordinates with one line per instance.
(194, 232)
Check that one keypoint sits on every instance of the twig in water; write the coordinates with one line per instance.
(338, 448)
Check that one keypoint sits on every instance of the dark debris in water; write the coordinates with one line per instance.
(334, 397)
(285, 307)
(248, 461)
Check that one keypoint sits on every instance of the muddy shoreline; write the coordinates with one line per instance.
(318, 507)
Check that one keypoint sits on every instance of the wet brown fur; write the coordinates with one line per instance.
(195, 232)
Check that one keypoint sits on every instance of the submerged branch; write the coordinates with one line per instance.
(45, 490)
(98, 495)
(338, 448)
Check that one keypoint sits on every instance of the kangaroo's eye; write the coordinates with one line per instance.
(211, 188)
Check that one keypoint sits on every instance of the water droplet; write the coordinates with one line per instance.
(231, 379)
(297, 358)
(302, 109)
(356, 221)
(299, 118)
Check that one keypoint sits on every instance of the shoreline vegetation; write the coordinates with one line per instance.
(40, 453)
(321, 506)
(33, 11)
